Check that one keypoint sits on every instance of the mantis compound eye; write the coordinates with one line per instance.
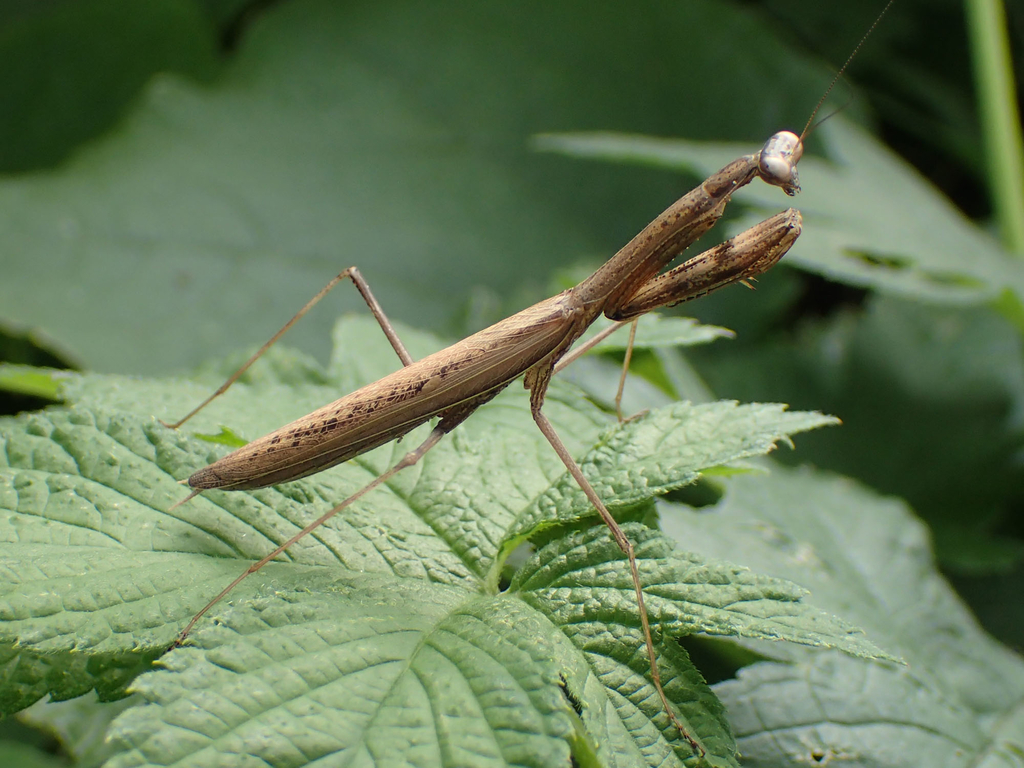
(777, 161)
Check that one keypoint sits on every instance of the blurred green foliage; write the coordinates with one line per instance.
(180, 176)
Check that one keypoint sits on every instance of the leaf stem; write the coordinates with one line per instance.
(1000, 117)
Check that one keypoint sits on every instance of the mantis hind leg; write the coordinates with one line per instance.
(538, 390)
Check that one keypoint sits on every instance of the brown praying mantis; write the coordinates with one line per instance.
(451, 384)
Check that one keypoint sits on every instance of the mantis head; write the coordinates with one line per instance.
(776, 163)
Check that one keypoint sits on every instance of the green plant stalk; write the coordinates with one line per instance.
(1000, 118)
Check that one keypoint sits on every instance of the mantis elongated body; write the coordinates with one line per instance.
(451, 384)
(454, 382)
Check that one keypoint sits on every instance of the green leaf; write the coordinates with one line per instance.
(929, 395)
(957, 701)
(80, 725)
(869, 219)
(840, 709)
(664, 450)
(657, 332)
(389, 616)
(25, 756)
(688, 593)
(28, 380)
